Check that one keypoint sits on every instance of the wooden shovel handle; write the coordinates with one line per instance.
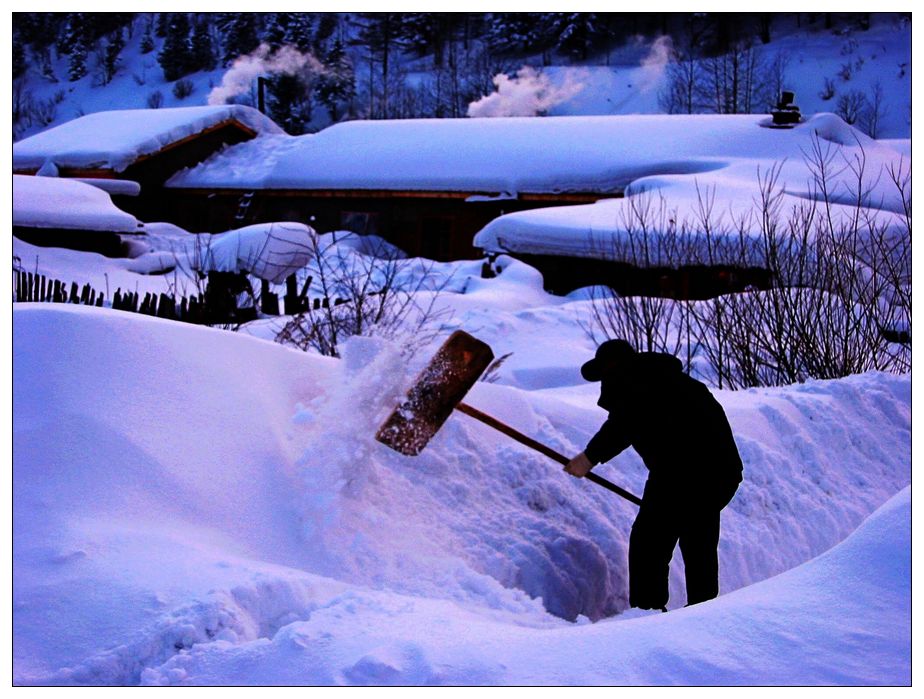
(542, 449)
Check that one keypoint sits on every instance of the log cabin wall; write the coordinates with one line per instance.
(436, 225)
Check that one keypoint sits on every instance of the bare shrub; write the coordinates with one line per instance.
(828, 91)
(156, 100)
(741, 81)
(874, 111)
(840, 301)
(183, 88)
(850, 106)
(377, 294)
(651, 240)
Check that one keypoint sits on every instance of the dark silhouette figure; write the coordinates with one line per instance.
(683, 436)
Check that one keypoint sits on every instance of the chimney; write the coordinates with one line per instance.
(261, 94)
(786, 113)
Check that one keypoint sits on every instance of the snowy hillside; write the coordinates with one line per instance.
(198, 507)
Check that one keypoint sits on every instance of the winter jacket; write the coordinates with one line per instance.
(674, 423)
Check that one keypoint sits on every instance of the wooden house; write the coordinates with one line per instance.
(141, 146)
(444, 189)
(426, 185)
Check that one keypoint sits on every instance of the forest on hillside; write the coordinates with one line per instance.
(336, 66)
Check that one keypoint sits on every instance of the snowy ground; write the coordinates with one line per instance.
(194, 506)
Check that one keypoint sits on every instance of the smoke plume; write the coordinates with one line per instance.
(655, 63)
(530, 93)
(286, 60)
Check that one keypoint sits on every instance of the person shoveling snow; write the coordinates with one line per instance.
(683, 436)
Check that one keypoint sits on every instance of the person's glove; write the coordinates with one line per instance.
(579, 466)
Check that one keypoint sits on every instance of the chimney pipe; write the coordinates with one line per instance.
(261, 94)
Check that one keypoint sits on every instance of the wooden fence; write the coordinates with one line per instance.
(215, 305)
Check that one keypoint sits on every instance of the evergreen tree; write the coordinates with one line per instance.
(276, 26)
(111, 56)
(40, 29)
(289, 103)
(176, 55)
(519, 32)
(239, 34)
(76, 41)
(429, 32)
(328, 23)
(338, 83)
(299, 31)
(102, 24)
(418, 31)
(202, 50)
(160, 27)
(147, 39)
(576, 32)
(19, 56)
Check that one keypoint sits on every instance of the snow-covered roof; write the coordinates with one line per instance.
(113, 140)
(597, 154)
(740, 158)
(51, 202)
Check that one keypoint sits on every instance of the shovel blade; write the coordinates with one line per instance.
(442, 384)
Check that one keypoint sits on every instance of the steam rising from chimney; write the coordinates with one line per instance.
(655, 63)
(530, 93)
(286, 60)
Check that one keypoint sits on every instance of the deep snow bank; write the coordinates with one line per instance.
(841, 619)
(176, 485)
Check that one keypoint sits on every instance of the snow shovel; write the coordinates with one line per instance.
(440, 389)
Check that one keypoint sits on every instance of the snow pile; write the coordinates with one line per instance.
(199, 507)
(113, 140)
(270, 251)
(726, 184)
(49, 202)
(842, 619)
